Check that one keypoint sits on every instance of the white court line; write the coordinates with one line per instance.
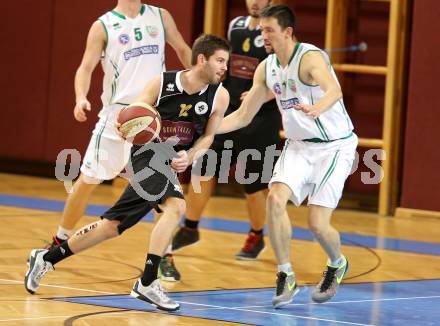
(61, 287)
(334, 302)
(276, 314)
(91, 316)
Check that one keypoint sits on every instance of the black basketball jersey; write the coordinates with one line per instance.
(183, 115)
(247, 52)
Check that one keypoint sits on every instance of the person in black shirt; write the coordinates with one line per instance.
(192, 104)
(262, 135)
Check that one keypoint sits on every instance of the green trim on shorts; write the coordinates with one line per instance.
(98, 141)
(328, 173)
(319, 140)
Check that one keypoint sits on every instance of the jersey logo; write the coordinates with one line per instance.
(246, 45)
(289, 103)
(116, 26)
(143, 50)
(124, 39)
(291, 84)
(153, 31)
(277, 88)
(170, 87)
(259, 42)
(274, 73)
(184, 108)
(201, 108)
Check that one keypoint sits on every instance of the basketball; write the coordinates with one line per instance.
(140, 123)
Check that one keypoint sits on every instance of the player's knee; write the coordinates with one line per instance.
(110, 228)
(176, 208)
(317, 227)
(275, 203)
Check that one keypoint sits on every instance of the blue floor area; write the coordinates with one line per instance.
(218, 224)
(406, 303)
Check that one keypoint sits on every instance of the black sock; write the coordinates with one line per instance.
(257, 232)
(151, 269)
(58, 253)
(58, 240)
(191, 224)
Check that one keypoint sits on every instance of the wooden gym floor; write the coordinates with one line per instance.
(394, 277)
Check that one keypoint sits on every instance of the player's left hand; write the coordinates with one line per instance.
(309, 110)
(180, 163)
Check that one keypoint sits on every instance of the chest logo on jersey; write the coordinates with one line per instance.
(170, 87)
(117, 26)
(288, 104)
(291, 84)
(201, 108)
(124, 39)
(277, 88)
(153, 31)
(184, 108)
(136, 52)
(246, 44)
(259, 42)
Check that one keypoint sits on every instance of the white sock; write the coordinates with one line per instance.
(63, 233)
(286, 268)
(338, 262)
(169, 250)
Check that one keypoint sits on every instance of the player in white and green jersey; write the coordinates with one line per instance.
(130, 43)
(319, 151)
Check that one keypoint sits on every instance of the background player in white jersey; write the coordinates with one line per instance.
(130, 42)
(319, 150)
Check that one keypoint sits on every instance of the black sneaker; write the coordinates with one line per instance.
(252, 247)
(167, 269)
(185, 237)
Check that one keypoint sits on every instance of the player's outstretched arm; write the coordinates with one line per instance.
(175, 39)
(151, 91)
(252, 102)
(314, 70)
(205, 141)
(95, 44)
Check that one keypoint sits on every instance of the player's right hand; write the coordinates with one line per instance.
(80, 110)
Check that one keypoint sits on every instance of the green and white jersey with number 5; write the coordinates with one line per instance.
(289, 90)
(134, 53)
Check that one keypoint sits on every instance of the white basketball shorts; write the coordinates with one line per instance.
(107, 153)
(315, 170)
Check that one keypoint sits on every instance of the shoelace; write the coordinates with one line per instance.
(251, 242)
(329, 276)
(160, 291)
(46, 268)
(281, 282)
(54, 243)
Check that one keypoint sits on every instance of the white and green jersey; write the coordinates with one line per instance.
(289, 90)
(134, 53)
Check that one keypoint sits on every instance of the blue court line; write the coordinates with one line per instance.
(384, 303)
(219, 224)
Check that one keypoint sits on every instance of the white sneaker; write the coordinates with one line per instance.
(37, 269)
(154, 294)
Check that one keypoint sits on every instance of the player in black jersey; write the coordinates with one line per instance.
(192, 104)
(262, 134)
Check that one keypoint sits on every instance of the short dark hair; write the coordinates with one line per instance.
(207, 44)
(284, 15)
